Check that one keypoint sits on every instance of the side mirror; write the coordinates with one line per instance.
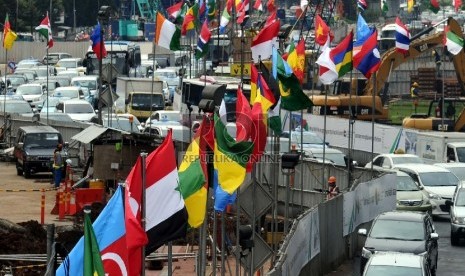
(434, 236)
(20, 145)
(362, 232)
(126, 101)
(449, 203)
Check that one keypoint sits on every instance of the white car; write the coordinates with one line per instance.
(90, 82)
(180, 132)
(395, 263)
(70, 63)
(165, 115)
(456, 168)
(71, 92)
(78, 110)
(438, 182)
(33, 93)
(69, 73)
(390, 160)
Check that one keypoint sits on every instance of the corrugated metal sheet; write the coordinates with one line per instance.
(89, 134)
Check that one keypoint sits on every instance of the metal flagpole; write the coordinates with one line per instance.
(373, 124)
(4, 97)
(223, 243)
(252, 250)
(47, 58)
(324, 136)
(170, 258)
(215, 226)
(143, 156)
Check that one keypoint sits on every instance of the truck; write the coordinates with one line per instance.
(441, 146)
(139, 96)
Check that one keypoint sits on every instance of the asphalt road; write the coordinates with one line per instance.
(451, 258)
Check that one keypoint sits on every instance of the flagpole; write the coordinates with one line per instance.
(143, 156)
(215, 226)
(4, 97)
(223, 243)
(170, 258)
(46, 51)
(373, 124)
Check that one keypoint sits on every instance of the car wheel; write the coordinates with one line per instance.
(26, 172)
(454, 239)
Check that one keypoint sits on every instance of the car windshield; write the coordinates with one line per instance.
(29, 90)
(406, 160)
(16, 81)
(308, 138)
(16, 107)
(141, 101)
(460, 200)
(397, 230)
(406, 183)
(438, 179)
(121, 123)
(165, 74)
(386, 270)
(91, 84)
(336, 158)
(71, 93)
(458, 171)
(67, 63)
(79, 108)
(41, 72)
(43, 140)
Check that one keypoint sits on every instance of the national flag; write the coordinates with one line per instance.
(175, 10)
(271, 6)
(434, 6)
(402, 37)
(264, 95)
(336, 62)
(274, 120)
(167, 34)
(363, 33)
(303, 4)
(166, 217)
(180, 18)
(45, 30)
(362, 5)
(384, 8)
(222, 198)
(322, 31)
(243, 116)
(264, 41)
(203, 41)
(93, 265)
(410, 4)
(456, 4)
(242, 7)
(296, 60)
(226, 16)
(288, 50)
(193, 178)
(202, 10)
(190, 19)
(98, 46)
(292, 95)
(9, 36)
(454, 43)
(258, 5)
(211, 10)
(230, 158)
(271, 81)
(270, 19)
(368, 59)
(112, 237)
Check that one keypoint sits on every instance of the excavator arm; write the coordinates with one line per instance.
(392, 59)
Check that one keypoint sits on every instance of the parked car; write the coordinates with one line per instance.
(165, 115)
(31, 75)
(53, 58)
(124, 122)
(70, 73)
(309, 139)
(34, 148)
(438, 182)
(49, 104)
(457, 214)
(160, 128)
(456, 168)
(16, 106)
(332, 156)
(395, 263)
(78, 110)
(69, 63)
(390, 160)
(62, 80)
(28, 63)
(15, 81)
(410, 197)
(33, 93)
(401, 231)
(71, 92)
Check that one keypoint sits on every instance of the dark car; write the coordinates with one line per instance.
(34, 149)
(402, 231)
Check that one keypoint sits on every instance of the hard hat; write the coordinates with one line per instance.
(332, 179)
(415, 84)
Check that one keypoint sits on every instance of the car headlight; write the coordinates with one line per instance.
(366, 253)
(434, 196)
(32, 158)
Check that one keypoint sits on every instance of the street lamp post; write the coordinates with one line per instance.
(103, 16)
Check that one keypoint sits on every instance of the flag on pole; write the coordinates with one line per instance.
(175, 10)
(362, 5)
(98, 46)
(264, 41)
(190, 19)
(367, 61)
(93, 265)
(203, 41)
(167, 34)
(402, 37)
(258, 6)
(274, 120)
(454, 43)
(322, 31)
(296, 60)
(112, 237)
(45, 30)
(384, 8)
(243, 116)
(226, 16)
(270, 6)
(410, 4)
(457, 4)
(9, 36)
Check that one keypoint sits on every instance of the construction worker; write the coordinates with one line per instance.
(437, 60)
(58, 165)
(333, 189)
(414, 93)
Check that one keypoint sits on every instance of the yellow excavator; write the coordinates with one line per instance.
(361, 103)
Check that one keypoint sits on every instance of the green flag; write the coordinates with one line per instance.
(385, 7)
(93, 265)
(292, 96)
(434, 6)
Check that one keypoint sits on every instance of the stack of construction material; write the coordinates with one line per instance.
(451, 87)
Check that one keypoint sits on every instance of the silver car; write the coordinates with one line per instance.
(395, 263)
(457, 214)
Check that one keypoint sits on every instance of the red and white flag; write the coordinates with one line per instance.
(175, 10)
(263, 42)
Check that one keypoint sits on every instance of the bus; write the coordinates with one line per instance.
(123, 55)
